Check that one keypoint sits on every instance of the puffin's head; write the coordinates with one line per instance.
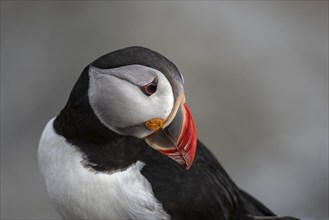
(136, 91)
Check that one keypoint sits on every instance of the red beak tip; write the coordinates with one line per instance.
(188, 141)
(187, 167)
(181, 149)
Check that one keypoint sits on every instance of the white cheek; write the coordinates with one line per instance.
(120, 105)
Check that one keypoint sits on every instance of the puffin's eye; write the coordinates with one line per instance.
(150, 88)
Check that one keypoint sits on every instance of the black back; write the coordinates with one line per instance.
(205, 191)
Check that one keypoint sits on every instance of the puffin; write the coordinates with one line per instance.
(125, 147)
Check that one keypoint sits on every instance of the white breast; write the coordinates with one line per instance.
(80, 193)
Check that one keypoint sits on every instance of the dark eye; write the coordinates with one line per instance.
(150, 88)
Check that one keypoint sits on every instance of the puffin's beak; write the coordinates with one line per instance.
(176, 137)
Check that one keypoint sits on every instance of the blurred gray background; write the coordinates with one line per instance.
(256, 79)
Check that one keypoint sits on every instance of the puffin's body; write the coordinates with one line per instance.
(125, 147)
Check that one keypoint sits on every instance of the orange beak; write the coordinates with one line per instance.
(176, 138)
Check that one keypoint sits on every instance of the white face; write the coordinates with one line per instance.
(117, 98)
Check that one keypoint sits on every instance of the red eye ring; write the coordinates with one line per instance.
(150, 88)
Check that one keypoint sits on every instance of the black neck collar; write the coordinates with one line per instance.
(103, 149)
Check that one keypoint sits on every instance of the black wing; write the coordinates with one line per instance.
(205, 191)
(252, 206)
(255, 210)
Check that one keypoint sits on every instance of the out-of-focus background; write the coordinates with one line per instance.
(256, 79)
